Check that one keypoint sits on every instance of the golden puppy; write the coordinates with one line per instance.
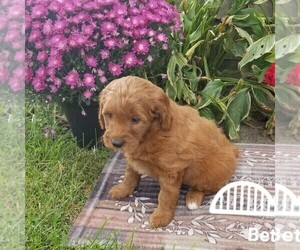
(169, 142)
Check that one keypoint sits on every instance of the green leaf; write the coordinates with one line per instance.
(283, 1)
(264, 100)
(271, 58)
(171, 70)
(256, 71)
(244, 34)
(257, 49)
(193, 75)
(260, 1)
(206, 68)
(207, 113)
(237, 5)
(236, 46)
(191, 51)
(237, 110)
(247, 17)
(179, 59)
(241, 17)
(287, 99)
(196, 34)
(188, 95)
(287, 45)
(170, 91)
(295, 57)
(216, 111)
(211, 91)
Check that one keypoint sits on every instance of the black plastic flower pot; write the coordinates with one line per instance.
(84, 124)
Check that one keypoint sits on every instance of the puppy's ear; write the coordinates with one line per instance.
(100, 115)
(161, 110)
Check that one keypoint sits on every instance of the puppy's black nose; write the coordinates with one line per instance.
(117, 143)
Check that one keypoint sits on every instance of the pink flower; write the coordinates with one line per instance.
(16, 83)
(39, 11)
(38, 83)
(12, 35)
(4, 73)
(34, 36)
(55, 6)
(77, 40)
(28, 74)
(57, 82)
(60, 25)
(88, 80)
(129, 60)
(135, 21)
(69, 6)
(20, 56)
(80, 18)
(4, 20)
(34, 25)
(134, 11)
(42, 56)
(41, 72)
(164, 76)
(115, 69)
(51, 72)
(87, 29)
(120, 9)
(161, 37)
(64, 35)
(90, 6)
(126, 24)
(55, 61)
(61, 44)
(150, 58)
(141, 47)
(72, 78)
(53, 88)
(47, 28)
(91, 61)
(103, 79)
(152, 5)
(111, 43)
(142, 31)
(56, 39)
(108, 28)
(100, 72)
(165, 46)
(87, 94)
(39, 45)
(19, 72)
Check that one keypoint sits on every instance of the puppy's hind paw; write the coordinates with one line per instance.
(194, 199)
(192, 205)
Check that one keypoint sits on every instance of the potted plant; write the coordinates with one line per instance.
(74, 48)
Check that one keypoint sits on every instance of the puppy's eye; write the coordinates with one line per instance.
(108, 115)
(135, 120)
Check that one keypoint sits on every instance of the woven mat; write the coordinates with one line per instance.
(197, 229)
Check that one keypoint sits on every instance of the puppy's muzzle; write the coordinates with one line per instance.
(117, 143)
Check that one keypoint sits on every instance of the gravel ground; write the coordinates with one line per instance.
(254, 134)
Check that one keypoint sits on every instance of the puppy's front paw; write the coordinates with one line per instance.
(119, 191)
(160, 219)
